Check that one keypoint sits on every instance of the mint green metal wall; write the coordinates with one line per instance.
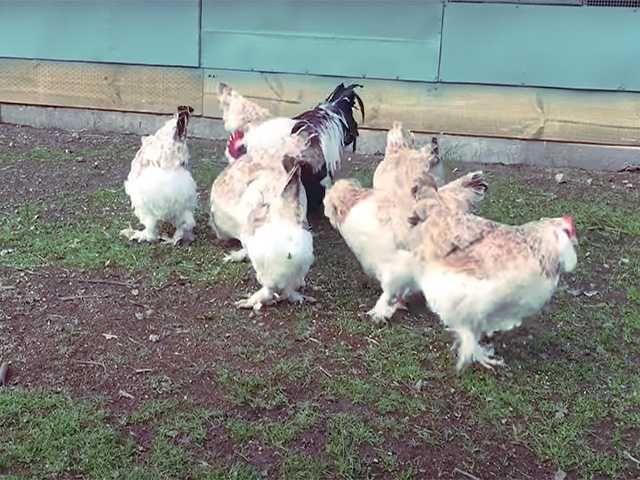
(383, 39)
(153, 32)
(422, 40)
(538, 45)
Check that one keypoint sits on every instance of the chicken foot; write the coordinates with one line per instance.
(470, 350)
(148, 234)
(236, 256)
(264, 296)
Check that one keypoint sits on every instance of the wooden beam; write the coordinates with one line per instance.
(611, 118)
(106, 86)
(493, 111)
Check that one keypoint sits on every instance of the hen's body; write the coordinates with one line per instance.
(160, 184)
(257, 201)
(481, 277)
(374, 222)
(281, 253)
(374, 227)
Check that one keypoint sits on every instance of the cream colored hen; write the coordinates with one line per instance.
(402, 165)
(160, 184)
(259, 200)
(480, 276)
(373, 222)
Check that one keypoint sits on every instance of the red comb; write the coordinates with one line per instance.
(572, 224)
(232, 143)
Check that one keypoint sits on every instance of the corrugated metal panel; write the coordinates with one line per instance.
(134, 88)
(122, 31)
(399, 39)
(533, 2)
(541, 46)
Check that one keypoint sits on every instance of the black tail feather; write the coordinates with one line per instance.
(184, 111)
(341, 100)
(336, 100)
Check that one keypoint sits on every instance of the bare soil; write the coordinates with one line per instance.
(115, 336)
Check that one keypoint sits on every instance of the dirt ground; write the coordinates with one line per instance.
(131, 329)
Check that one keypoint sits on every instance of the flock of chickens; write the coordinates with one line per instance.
(410, 231)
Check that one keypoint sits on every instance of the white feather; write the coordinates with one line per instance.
(162, 195)
(332, 140)
(281, 254)
(268, 134)
(228, 218)
(464, 301)
(375, 248)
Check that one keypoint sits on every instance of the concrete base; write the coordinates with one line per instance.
(452, 147)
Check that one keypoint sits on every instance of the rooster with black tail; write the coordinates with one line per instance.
(329, 128)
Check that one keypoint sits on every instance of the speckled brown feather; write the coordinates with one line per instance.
(463, 242)
(341, 198)
(401, 164)
(237, 111)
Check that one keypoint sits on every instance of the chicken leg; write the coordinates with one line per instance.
(148, 234)
(470, 350)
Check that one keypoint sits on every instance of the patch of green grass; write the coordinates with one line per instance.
(58, 155)
(235, 472)
(558, 431)
(304, 326)
(399, 355)
(347, 434)
(348, 321)
(295, 369)
(167, 459)
(205, 172)
(190, 427)
(277, 433)
(151, 411)
(252, 390)
(46, 154)
(302, 467)
(394, 366)
(354, 388)
(89, 239)
(50, 435)
(364, 175)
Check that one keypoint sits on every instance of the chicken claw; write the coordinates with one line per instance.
(264, 296)
(378, 319)
(383, 310)
(484, 355)
(236, 256)
(297, 297)
(401, 305)
(140, 235)
(183, 238)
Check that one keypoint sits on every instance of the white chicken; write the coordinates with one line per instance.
(329, 127)
(480, 276)
(160, 184)
(403, 165)
(261, 202)
(374, 224)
